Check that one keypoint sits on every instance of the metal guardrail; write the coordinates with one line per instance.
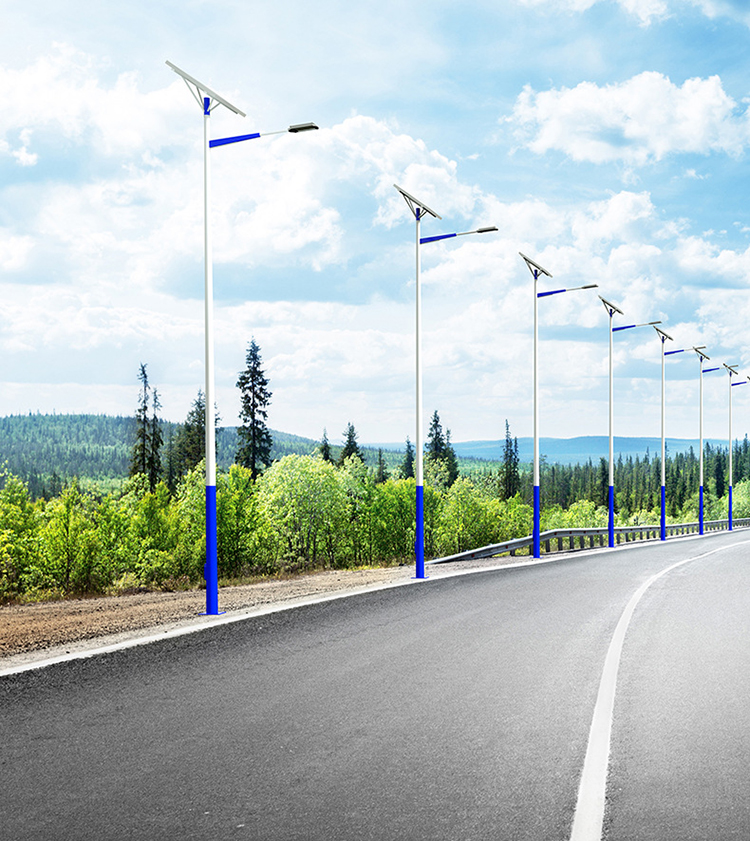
(623, 534)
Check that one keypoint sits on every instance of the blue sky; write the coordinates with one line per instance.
(607, 140)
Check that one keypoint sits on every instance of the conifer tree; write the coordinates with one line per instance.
(351, 447)
(146, 455)
(435, 448)
(451, 462)
(381, 474)
(254, 451)
(155, 443)
(139, 456)
(325, 447)
(511, 482)
(407, 465)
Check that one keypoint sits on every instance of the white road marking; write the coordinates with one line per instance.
(588, 821)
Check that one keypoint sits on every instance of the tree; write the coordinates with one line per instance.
(139, 457)
(451, 462)
(190, 442)
(254, 450)
(351, 447)
(439, 453)
(407, 465)
(435, 448)
(511, 482)
(325, 448)
(381, 474)
(156, 440)
(146, 454)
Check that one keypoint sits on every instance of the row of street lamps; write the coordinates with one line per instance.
(612, 309)
(208, 100)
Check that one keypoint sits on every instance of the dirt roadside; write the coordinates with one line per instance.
(53, 627)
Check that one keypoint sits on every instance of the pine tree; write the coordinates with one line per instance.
(351, 447)
(156, 440)
(146, 454)
(407, 465)
(190, 443)
(255, 439)
(435, 448)
(451, 462)
(381, 474)
(325, 448)
(139, 457)
(511, 482)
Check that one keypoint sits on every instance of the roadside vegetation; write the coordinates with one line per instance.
(282, 514)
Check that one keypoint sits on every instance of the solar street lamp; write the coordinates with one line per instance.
(611, 310)
(701, 358)
(537, 270)
(663, 530)
(208, 100)
(420, 209)
(732, 371)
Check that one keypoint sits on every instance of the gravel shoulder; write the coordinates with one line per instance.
(30, 633)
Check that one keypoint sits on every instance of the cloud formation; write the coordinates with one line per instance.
(636, 122)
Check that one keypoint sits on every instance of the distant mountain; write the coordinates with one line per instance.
(580, 450)
(98, 447)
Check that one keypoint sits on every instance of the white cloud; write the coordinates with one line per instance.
(636, 122)
(644, 10)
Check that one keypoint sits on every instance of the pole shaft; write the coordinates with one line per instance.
(211, 569)
(419, 541)
(537, 498)
(729, 507)
(611, 495)
(700, 427)
(663, 451)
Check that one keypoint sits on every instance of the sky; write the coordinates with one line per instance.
(608, 140)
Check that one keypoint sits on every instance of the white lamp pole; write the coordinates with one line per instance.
(208, 99)
(701, 357)
(663, 530)
(611, 310)
(536, 270)
(419, 209)
(732, 371)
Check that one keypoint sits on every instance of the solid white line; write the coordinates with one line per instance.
(588, 821)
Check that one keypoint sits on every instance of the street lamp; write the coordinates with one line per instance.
(419, 209)
(611, 310)
(537, 270)
(732, 371)
(701, 357)
(208, 100)
(663, 337)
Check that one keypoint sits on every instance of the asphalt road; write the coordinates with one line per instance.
(451, 709)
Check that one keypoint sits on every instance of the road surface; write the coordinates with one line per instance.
(455, 708)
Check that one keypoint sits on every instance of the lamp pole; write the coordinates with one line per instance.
(663, 530)
(208, 100)
(537, 270)
(419, 209)
(701, 358)
(732, 371)
(611, 310)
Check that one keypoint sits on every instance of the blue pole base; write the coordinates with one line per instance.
(611, 534)
(663, 513)
(419, 542)
(537, 518)
(700, 510)
(211, 569)
(730, 508)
